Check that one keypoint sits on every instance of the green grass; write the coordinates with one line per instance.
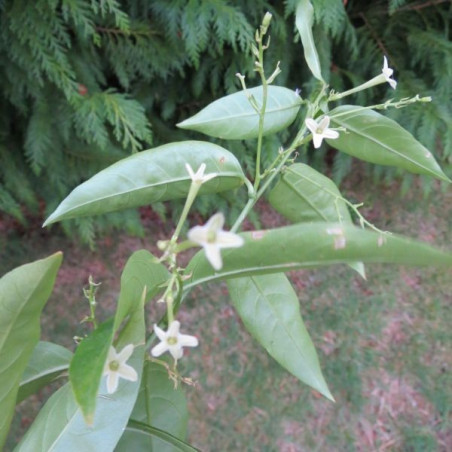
(383, 345)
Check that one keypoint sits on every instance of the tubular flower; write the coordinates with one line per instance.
(172, 341)
(212, 238)
(320, 130)
(116, 367)
(199, 177)
(387, 72)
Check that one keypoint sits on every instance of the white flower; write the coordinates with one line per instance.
(212, 238)
(116, 367)
(172, 341)
(387, 72)
(199, 177)
(320, 130)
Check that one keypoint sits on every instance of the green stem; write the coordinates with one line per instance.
(194, 188)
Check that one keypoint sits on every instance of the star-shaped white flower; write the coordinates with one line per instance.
(116, 367)
(172, 341)
(199, 177)
(212, 238)
(387, 72)
(320, 130)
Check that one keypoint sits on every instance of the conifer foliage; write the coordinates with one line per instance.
(87, 82)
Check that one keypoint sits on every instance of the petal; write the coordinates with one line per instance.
(213, 255)
(112, 355)
(393, 83)
(190, 171)
(228, 240)
(324, 123)
(112, 382)
(207, 177)
(125, 353)
(215, 222)
(311, 124)
(385, 63)
(200, 173)
(198, 234)
(128, 373)
(159, 349)
(185, 340)
(317, 139)
(176, 351)
(173, 329)
(159, 332)
(332, 134)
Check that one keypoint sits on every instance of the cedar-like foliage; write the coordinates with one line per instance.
(86, 82)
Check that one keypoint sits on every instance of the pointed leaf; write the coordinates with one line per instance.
(309, 246)
(304, 18)
(304, 195)
(270, 311)
(137, 434)
(158, 405)
(46, 363)
(233, 117)
(157, 174)
(374, 138)
(23, 293)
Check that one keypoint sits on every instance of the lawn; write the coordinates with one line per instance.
(384, 343)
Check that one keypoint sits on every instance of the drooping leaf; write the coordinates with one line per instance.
(23, 293)
(60, 425)
(46, 363)
(157, 174)
(233, 117)
(270, 311)
(304, 195)
(374, 138)
(304, 18)
(309, 246)
(159, 405)
(138, 433)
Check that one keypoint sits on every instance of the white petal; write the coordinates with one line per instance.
(228, 240)
(190, 171)
(215, 222)
(207, 177)
(385, 64)
(176, 351)
(213, 255)
(393, 83)
(159, 349)
(185, 340)
(317, 139)
(112, 382)
(311, 124)
(198, 234)
(159, 332)
(173, 329)
(125, 353)
(200, 173)
(128, 373)
(324, 123)
(332, 134)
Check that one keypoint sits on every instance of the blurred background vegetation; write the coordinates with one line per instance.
(84, 83)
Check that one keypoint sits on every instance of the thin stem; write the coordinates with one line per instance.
(194, 188)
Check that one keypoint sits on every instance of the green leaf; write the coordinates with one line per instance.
(46, 363)
(157, 174)
(60, 425)
(233, 117)
(309, 246)
(138, 433)
(374, 138)
(159, 405)
(23, 293)
(304, 18)
(304, 195)
(270, 311)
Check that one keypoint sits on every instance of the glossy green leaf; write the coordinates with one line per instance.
(61, 426)
(23, 293)
(270, 311)
(304, 195)
(304, 18)
(158, 405)
(137, 434)
(374, 138)
(309, 246)
(233, 118)
(157, 174)
(141, 270)
(47, 362)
